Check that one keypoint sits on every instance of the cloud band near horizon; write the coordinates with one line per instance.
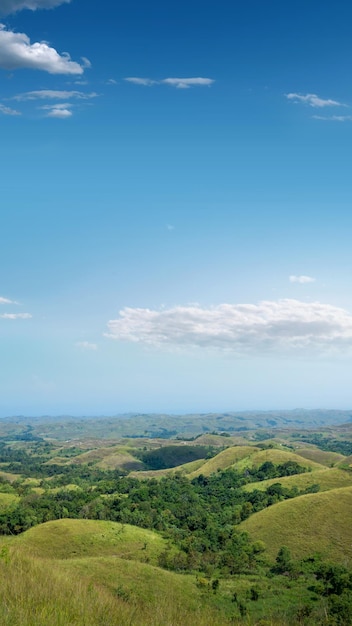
(270, 326)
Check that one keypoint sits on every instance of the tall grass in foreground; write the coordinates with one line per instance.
(34, 592)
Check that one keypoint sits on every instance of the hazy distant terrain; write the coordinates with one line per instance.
(166, 426)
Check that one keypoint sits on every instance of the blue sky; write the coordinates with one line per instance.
(176, 206)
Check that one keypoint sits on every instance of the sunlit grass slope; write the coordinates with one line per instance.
(109, 458)
(225, 458)
(276, 456)
(326, 479)
(319, 522)
(321, 456)
(97, 592)
(73, 538)
(220, 440)
(186, 468)
(7, 500)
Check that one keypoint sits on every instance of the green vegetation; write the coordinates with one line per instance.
(254, 533)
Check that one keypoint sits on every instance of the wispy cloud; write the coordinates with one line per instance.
(8, 111)
(333, 118)
(12, 6)
(313, 100)
(7, 301)
(15, 316)
(301, 279)
(270, 326)
(179, 83)
(146, 82)
(16, 51)
(185, 83)
(52, 94)
(111, 81)
(86, 345)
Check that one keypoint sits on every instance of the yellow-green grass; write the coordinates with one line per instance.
(98, 592)
(220, 441)
(69, 487)
(276, 456)
(109, 458)
(69, 538)
(32, 482)
(7, 501)
(186, 468)
(223, 460)
(121, 459)
(11, 478)
(321, 456)
(328, 478)
(347, 461)
(314, 523)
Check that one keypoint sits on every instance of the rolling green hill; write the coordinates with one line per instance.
(320, 456)
(313, 523)
(73, 538)
(223, 460)
(328, 478)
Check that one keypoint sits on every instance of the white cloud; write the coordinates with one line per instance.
(86, 345)
(334, 118)
(301, 279)
(179, 83)
(313, 100)
(12, 6)
(8, 111)
(146, 82)
(270, 326)
(111, 81)
(16, 51)
(15, 316)
(51, 94)
(7, 301)
(60, 111)
(185, 83)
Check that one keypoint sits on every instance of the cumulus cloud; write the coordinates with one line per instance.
(52, 94)
(8, 111)
(12, 6)
(15, 316)
(313, 100)
(86, 345)
(301, 279)
(179, 83)
(61, 111)
(270, 326)
(16, 51)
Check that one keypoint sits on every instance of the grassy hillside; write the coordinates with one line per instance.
(276, 456)
(98, 592)
(72, 538)
(312, 523)
(186, 468)
(326, 479)
(110, 458)
(320, 456)
(7, 500)
(224, 459)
